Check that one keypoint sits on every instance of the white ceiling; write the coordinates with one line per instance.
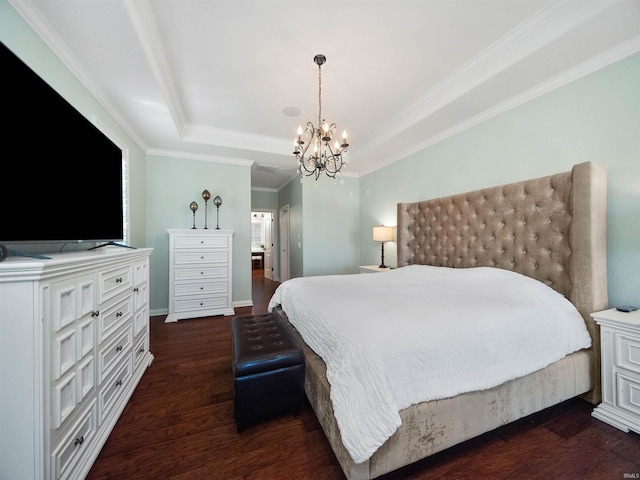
(209, 79)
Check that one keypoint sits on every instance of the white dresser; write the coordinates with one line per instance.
(620, 341)
(200, 273)
(74, 343)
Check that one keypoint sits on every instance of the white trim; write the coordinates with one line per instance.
(594, 64)
(145, 26)
(197, 156)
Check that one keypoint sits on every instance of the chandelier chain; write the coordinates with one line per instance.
(320, 95)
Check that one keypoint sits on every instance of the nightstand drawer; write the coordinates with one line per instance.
(628, 393)
(628, 350)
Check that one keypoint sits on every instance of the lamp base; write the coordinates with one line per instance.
(383, 266)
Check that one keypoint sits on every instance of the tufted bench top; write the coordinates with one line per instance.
(262, 343)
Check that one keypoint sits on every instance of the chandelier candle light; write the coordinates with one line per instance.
(324, 157)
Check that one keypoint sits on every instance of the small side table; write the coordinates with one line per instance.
(620, 351)
(373, 269)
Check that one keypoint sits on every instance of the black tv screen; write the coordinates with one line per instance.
(61, 176)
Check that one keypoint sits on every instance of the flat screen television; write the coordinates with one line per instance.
(61, 176)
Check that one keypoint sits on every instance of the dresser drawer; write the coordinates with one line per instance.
(628, 352)
(114, 385)
(113, 351)
(72, 445)
(200, 242)
(111, 318)
(142, 345)
(193, 273)
(185, 304)
(186, 257)
(115, 281)
(205, 288)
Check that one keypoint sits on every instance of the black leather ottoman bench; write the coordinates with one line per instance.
(268, 369)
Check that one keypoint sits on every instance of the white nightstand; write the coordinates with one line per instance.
(373, 269)
(620, 343)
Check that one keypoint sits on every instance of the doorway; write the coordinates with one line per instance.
(262, 242)
(284, 243)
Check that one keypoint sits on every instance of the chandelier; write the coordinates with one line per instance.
(324, 157)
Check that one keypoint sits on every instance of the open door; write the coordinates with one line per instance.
(262, 242)
(284, 243)
(268, 245)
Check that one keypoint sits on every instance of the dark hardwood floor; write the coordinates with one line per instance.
(179, 425)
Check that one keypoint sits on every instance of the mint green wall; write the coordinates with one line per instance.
(172, 184)
(330, 228)
(324, 228)
(596, 118)
(264, 200)
(24, 42)
(291, 195)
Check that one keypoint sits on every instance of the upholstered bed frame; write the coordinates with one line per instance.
(552, 229)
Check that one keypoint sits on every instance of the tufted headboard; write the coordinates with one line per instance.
(552, 229)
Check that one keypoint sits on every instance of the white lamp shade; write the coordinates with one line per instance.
(382, 234)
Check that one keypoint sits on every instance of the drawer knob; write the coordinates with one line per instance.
(95, 313)
(119, 314)
(79, 440)
(118, 348)
(136, 289)
(119, 280)
(118, 383)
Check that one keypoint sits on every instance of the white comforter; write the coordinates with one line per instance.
(421, 333)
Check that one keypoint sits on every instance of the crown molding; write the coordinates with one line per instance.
(33, 18)
(198, 156)
(151, 43)
(235, 139)
(551, 22)
(596, 63)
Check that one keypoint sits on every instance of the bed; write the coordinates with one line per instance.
(550, 232)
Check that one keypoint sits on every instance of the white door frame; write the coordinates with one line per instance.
(274, 242)
(283, 228)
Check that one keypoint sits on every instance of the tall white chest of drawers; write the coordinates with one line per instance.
(74, 343)
(200, 273)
